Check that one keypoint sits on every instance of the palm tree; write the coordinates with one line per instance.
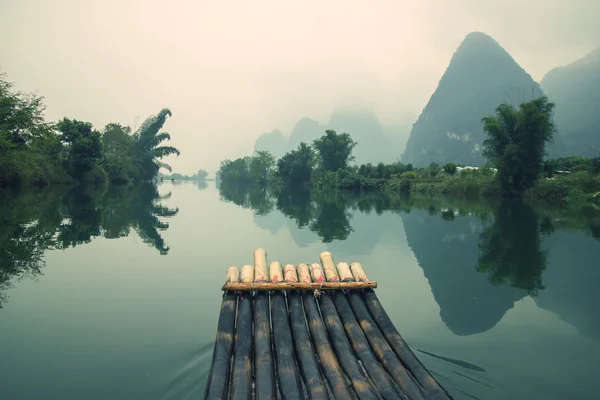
(147, 146)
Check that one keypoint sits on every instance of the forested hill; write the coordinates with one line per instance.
(575, 89)
(481, 75)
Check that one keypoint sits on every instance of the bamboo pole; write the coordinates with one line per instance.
(247, 273)
(305, 353)
(329, 267)
(290, 386)
(343, 350)
(241, 382)
(263, 357)
(344, 272)
(261, 287)
(358, 273)
(329, 363)
(316, 273)
(275, 272)
(232, 274)
(361, 347)
(303, 274)
(289, 273)
(217, 385)
(432, 388)
(382, 349)
(261, 273)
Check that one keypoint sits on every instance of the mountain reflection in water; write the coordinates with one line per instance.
(480, 257)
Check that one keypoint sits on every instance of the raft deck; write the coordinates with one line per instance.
(310, 331)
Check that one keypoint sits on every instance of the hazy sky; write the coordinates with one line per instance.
(229, 70)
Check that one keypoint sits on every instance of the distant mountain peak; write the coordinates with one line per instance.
(273, 142)
(479, 37)
(305, 121)
(480, 76)
(361, 123)
(575, 90)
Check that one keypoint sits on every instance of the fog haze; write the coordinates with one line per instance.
(232, 70)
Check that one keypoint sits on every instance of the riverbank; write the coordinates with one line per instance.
(37, 152)
(570, 188)
(327, 165)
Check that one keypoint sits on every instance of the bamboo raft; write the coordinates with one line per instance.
(313, 331)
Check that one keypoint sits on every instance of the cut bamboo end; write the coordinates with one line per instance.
(232, 275)
(289, 273)
(316, 273)
(331, 272)
(276, 286)
(247, 273)
(261, 272)
(275, 272)
(344, 272)
(303, 273)
(358, 273)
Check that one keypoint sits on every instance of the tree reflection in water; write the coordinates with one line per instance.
(33, 221)
(509, 245)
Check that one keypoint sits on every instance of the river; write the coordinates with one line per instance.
(115, 294)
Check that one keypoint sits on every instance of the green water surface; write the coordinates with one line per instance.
(114, 294)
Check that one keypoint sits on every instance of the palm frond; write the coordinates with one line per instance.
(164, 151)
(153, 124)
(160, 164)
(158, 139)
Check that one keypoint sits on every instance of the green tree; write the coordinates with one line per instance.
(381, 171)
(296, 166)
(148, 151)
(118, 152)
(21, 114)
(515, 143)
(433, 169)
(83, 144)
(450, 168)
(261, 166)
(30, 150)
(334, 150)
(201, 175)
(236, 170)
